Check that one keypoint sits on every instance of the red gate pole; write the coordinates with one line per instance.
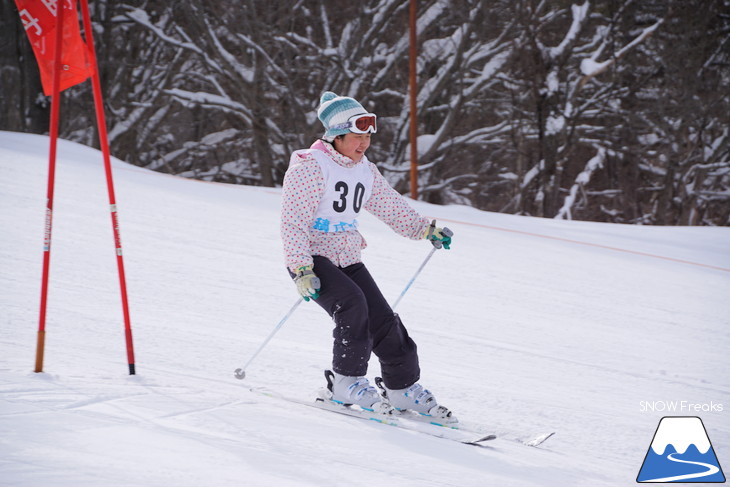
(104, 142)
(55, 110)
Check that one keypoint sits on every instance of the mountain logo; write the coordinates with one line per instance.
(681, 452)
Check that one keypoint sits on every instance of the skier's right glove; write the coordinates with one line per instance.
(307, 283)
(439, 237)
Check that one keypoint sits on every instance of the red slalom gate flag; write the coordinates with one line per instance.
(39, 21)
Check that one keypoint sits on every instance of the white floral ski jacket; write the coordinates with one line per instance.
(301, 194)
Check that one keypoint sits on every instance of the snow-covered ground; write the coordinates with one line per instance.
(525, 326)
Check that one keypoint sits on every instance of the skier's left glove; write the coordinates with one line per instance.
(439, 237)
(307, 283)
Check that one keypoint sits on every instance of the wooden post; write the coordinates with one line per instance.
(413, 88)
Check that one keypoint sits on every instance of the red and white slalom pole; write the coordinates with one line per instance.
(104, 142)
(55, 110)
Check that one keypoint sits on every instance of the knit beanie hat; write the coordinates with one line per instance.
(336, 110)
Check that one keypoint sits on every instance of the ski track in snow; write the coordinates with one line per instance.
(518, 334)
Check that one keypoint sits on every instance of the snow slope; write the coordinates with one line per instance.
(525, 326)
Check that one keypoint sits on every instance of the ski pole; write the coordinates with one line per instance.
(437, 244)
(408, 286)
(241, 372)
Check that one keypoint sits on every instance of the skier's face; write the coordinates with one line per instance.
(353, 145)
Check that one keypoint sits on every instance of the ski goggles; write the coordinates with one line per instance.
(360, 124)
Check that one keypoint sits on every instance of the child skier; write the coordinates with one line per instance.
(324, 190)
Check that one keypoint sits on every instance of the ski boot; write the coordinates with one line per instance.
(357, 391)
(417, 399)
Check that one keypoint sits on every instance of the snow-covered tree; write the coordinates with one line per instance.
(610, 110)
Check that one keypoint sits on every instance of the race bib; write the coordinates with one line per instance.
(346, 190)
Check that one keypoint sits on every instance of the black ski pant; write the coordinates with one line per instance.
(365, 324)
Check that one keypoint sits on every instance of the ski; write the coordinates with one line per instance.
(538, 440)
(414, 416)
(422, 418)
(450, 432)
(460, 432)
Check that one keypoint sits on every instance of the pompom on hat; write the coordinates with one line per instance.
(335, 111)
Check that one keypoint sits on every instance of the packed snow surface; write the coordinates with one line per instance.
(526, 326)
